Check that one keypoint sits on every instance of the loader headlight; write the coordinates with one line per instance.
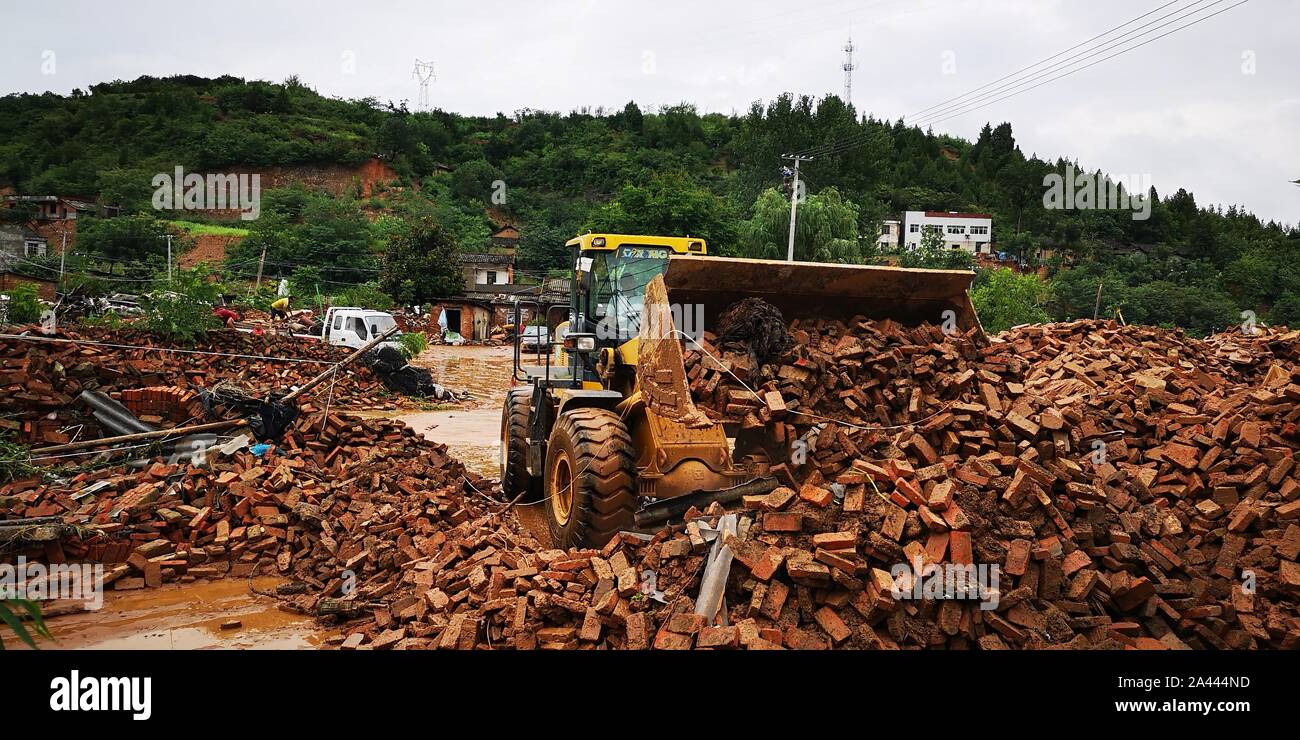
(580, 342)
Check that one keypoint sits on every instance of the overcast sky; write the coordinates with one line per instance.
(1214, 108)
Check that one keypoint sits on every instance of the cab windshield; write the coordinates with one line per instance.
(618, 282)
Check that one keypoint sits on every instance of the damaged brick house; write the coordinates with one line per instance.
(488, 300)
(54, 217)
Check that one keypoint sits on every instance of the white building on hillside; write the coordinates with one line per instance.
(972, 232)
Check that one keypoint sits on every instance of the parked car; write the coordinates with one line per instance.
(535, 338)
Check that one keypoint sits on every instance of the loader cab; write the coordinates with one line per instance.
(610, 275)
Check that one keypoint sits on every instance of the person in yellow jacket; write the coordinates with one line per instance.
(280, 308)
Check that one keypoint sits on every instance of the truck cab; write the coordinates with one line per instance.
(349, 326)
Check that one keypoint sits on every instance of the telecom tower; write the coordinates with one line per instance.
(848, 67)
(424, 73)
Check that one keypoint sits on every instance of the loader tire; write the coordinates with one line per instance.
(590, 479)
(515, 479)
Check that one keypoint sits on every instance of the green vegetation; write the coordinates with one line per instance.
(11, 614)
(197, 228)
(420, 264)
(826, 229)
(1004, 299)
(107, 320)
(670, 170)
(182, 308)
(15, 460)
(365, 295)
(24, 304)
(136, 239)
(413, 344)
(933, 254)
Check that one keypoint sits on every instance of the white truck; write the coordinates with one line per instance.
(350, 326)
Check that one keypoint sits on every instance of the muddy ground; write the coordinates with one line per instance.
(191, 616)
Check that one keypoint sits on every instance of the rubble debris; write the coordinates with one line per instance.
(400, 376)
(40, 380)
(759, 326)
(1127, 482)
(1136, 487)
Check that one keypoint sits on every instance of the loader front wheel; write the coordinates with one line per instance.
(515, 479)
(590, 478)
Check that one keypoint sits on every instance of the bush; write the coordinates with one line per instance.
(109, 320)
(364, 295)
(24, 304)
(182, 309)
(259, 299)
(304, 284)
(413, 344)
(1004, 299)
(15, 461)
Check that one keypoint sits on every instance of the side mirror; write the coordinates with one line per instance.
(582, 275)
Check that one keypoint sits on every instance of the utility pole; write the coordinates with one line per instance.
(63, 258)
(261, 261)
(794, 200)
(169, 257)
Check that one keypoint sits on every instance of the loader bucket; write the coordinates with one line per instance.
(822, 290)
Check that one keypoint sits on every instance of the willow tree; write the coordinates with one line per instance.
(826, 229)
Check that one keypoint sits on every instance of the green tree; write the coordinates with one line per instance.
(181, 309)
(130, 189)
(473, 181)
(826, 229)
(934, 254)
(421, 264)
(1286, 311)
(1004, 299)
(125, 239)
(670, 204)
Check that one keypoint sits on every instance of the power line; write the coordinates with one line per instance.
(1086, 66)
(978, 101)
(1186, 12)
(856, 139)
(1035, 64)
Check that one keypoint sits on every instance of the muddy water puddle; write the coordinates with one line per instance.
(193, 616)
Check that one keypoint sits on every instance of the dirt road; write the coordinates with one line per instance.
(473, 433)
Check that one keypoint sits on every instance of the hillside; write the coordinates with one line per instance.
(671, 170)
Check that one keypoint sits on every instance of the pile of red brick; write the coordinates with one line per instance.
(1136, 487)
(163, 403)
(374, 526)
(39, 381)
(337, 492)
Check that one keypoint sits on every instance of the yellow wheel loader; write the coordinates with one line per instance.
(602, 429)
